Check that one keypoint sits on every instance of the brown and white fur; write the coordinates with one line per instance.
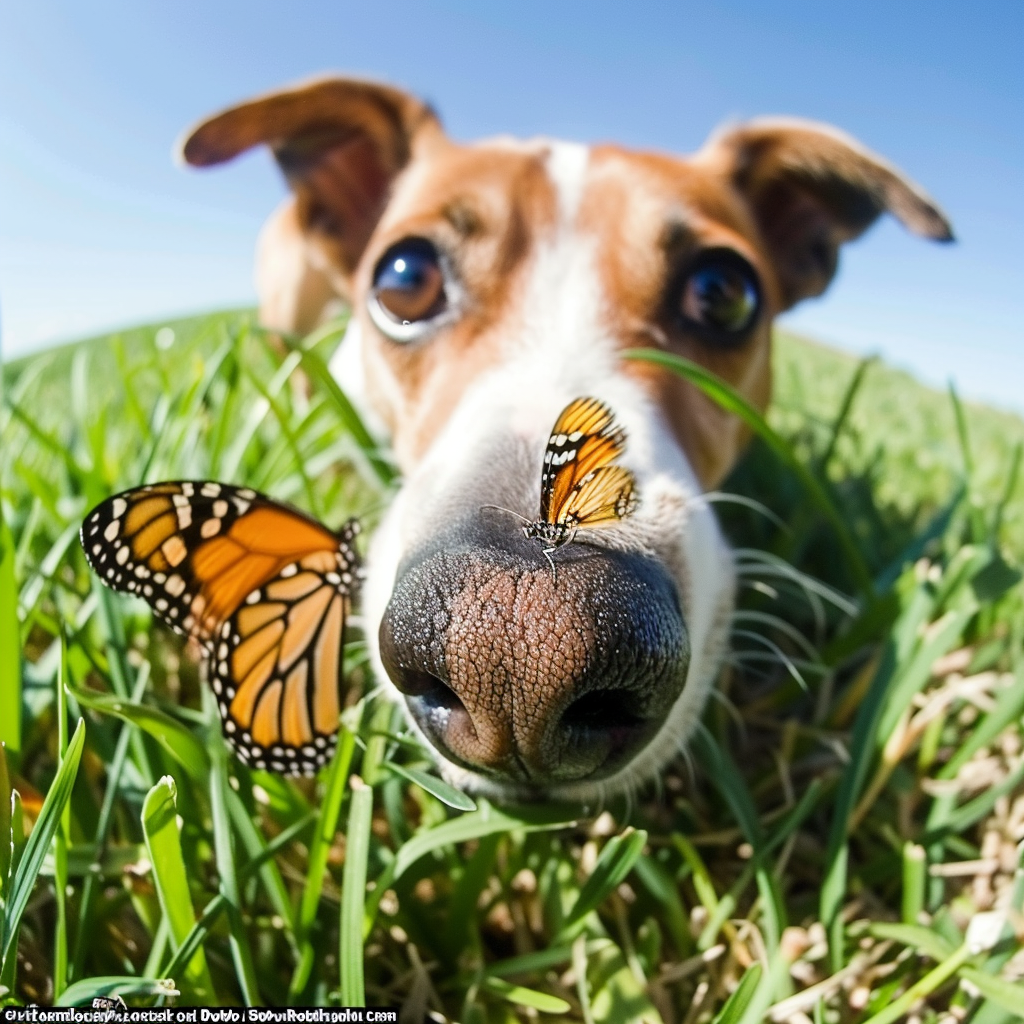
(557, 258)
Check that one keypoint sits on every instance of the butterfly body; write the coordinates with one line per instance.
(581, 487)
(261, 587)
(553, 535)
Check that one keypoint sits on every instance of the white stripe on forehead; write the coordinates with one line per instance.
(567, 167)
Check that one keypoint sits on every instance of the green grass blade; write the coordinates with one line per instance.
(224, 854)
(730, 783)
(121, 673)
(730, 400)
(178, 741)
(160, 830)
(353, 894)
(357, 851)
(83, 992)
(962, 432)
(915, 879)
(110, 794)
(1008, 490)
(915, 937)
(613, 865)
(665, 890)
(192, 942)
(62, 837)
(907, 683)
(929, 983)
(38, 844)
(1006, 994)
(319, 372)
(10, 655)
(466, 896)
(218, 905)
(1009, 707)
(974, 810)
(258, 409)
(736, 1005)
(6, 833)
(327, 827)
(9, 969)
(898, 650)
(728, 903)
(484, 821)
(845, 407)
(526, 996)
(299, 461)
(579, 964)
(316, 863)
(270, 875)
(448, 795)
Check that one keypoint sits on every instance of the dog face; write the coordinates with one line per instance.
(490, 286)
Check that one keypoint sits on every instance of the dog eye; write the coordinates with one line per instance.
(408, 290)
(720, 296)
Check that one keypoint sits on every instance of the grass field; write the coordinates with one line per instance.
(842, 844)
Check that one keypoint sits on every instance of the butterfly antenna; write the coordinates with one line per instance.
(501, 508)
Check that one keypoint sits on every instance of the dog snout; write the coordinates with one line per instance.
(532, 675)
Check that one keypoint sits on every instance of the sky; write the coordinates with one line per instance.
(99, 228)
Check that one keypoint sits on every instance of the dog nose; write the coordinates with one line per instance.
(534, 675)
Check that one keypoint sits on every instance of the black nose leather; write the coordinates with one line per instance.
(521, 673)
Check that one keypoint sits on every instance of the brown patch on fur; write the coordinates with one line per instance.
(811, 188)
(784, 195)
(484, 207)
(340, 143)
(651, 214)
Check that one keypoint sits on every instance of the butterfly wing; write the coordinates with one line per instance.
(211, 559)
(194, 550)
(276, 665)
(605, 495)
(584, 439)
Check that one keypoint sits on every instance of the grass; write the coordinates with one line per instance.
(841, 844)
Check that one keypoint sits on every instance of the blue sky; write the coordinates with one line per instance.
(99, 229)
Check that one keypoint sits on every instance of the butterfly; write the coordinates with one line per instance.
(263, 588)
(579, 485)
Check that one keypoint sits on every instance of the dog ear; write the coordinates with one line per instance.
(811, 188)
(340, 143)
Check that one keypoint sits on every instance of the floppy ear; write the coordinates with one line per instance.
(811, 188)
(340, 143)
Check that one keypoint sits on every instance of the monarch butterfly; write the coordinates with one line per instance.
(262, 587)
(579, 485)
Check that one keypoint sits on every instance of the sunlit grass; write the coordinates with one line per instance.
(853, 800)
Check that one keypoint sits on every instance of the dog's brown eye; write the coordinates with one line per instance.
(720, 296)
(408, 289)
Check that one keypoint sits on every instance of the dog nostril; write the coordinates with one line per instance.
(603, 711)
(434, 692)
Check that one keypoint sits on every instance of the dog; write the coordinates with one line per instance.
(490, 285)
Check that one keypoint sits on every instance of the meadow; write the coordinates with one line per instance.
(842, 842)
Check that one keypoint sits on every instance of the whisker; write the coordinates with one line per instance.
(767, 619)
(778, 651)
(773, 566)
(761, 588)
(727, 497)
(732, 711)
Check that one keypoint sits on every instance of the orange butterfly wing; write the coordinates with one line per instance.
(225, 566)
(575, 483)
(605, 495)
